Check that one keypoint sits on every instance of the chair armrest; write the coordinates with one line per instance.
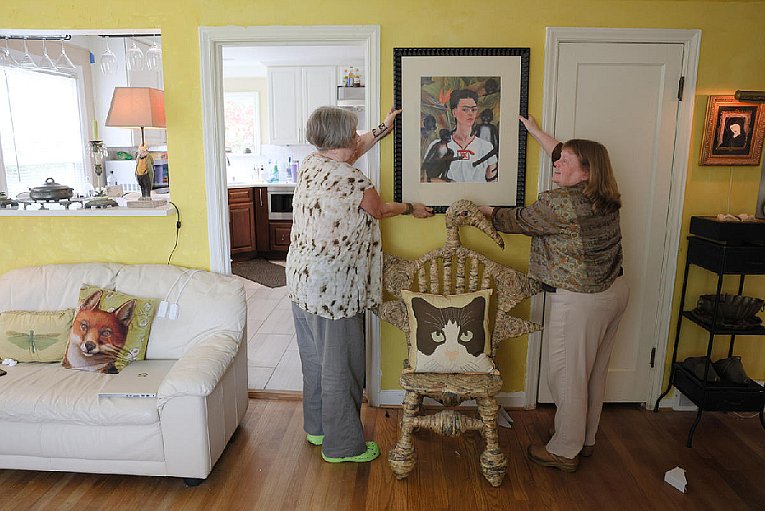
(200, 369)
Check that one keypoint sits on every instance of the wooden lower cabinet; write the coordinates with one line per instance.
(280, 235)
(251, 232)
(241, 214)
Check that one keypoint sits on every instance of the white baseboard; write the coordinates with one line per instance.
(505, 399)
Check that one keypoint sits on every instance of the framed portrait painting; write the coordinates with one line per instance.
(733, 132)
(458, 136)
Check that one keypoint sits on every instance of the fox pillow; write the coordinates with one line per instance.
(109, 331)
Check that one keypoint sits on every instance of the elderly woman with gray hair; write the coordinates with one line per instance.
(334, 274)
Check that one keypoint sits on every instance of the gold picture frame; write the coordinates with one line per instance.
(733, 132)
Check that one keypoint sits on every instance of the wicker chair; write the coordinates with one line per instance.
(454, 269)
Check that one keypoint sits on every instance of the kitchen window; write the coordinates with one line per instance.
(41, 131)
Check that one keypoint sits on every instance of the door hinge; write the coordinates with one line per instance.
(653, 356)
(680, 87)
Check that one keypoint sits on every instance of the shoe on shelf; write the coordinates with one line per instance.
(541, 456)
(587, 450)
(372, 452)
(732, 369)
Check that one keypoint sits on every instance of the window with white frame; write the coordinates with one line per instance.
(242, 121)
(41, 131)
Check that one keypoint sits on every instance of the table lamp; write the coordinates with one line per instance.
(138, 108)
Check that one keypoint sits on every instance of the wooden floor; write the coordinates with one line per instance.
(269, 466)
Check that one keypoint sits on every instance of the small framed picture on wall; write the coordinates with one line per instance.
(458, 136)
(733, 132)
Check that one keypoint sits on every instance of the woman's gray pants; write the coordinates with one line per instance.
(333, 358)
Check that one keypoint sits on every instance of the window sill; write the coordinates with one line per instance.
(113, 211)
(78, 210)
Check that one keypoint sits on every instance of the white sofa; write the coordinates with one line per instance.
(51, 418)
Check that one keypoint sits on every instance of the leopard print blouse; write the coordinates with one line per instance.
(334, 264)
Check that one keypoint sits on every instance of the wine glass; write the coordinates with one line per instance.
(6, 59)
(26, 61)
(63, 63)
(108, 61)
(154, 57)
(134, 58)
(46, 64)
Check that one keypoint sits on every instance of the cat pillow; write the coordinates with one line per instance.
(109, 331)
(449, 333)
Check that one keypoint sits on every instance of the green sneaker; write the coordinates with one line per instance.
(315, 439)
(371, 453)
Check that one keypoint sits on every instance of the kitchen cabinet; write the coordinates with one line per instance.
(293, 93)
(252, 233)
(261, 218)
(723, 259)
(279, 232)
(241, 212)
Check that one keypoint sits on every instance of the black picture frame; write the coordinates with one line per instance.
(413, 68)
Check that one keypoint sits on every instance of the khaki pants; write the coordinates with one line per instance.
(581, 329)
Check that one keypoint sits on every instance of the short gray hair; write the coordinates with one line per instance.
(330, 127)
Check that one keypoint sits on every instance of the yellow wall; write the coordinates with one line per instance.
(731, 58)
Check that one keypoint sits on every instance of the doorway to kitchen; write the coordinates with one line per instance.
(218, 44)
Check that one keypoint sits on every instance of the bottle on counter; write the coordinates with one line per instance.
(283, 172)
(263, 174)
(356, 78)
(350, 78)
(294, 169)
(288, 170)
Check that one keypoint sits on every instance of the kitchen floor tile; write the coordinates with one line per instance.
(257, 377)
(288, 374)
(270, 350)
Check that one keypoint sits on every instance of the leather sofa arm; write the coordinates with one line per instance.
(200, 369)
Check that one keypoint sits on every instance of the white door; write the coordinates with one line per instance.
(284, 104)
(626, 97)
(319, 89)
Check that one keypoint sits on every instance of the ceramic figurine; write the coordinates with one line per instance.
(144, 170)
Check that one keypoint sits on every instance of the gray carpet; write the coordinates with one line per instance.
(261, 271)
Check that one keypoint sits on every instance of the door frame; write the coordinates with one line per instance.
(691, 41)
(211, 41)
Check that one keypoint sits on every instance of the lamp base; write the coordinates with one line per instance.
(100, 202)
(146, 203)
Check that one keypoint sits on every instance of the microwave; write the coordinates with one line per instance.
(280, 202)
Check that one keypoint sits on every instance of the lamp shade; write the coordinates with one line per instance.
(137, 107)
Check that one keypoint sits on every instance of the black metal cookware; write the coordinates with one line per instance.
(51, 190)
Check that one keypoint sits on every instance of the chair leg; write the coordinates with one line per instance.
(493, 460)
(402, 457)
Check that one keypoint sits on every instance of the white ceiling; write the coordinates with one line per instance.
(251, 61)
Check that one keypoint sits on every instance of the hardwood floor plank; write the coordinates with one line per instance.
(268, 465)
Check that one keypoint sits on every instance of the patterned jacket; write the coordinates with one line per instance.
(572, 246)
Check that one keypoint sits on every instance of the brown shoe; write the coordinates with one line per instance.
(541, 456)
(587, 450)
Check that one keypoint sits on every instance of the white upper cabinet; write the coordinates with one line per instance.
(293, 93)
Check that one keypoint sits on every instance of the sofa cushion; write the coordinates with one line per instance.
(53, 286)
(209, 303)
(109, 331)
(49, 393)
(35, 336)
